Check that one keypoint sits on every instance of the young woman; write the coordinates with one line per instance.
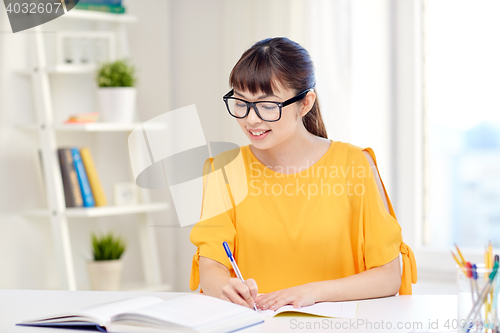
(317, 224)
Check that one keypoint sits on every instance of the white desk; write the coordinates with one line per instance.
(18, 305)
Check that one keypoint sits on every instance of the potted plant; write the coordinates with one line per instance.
(117, 92)
(106, 269)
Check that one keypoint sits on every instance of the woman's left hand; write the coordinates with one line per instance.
(298, 296)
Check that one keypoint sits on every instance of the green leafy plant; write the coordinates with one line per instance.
(119, 73)
(107, 247)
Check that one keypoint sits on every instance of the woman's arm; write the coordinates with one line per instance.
(376, 282)
(216, 281)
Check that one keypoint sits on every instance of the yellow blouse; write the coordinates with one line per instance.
(324, 222)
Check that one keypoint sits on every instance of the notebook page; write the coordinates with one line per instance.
(190, 311)
(103, 312)
(326, 309)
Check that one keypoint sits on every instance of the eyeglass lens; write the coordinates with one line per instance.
(267, 110)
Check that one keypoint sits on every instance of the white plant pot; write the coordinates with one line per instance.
(105, 274)
(117, 104)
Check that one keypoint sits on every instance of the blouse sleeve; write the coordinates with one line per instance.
(216, 222)
(383, 239)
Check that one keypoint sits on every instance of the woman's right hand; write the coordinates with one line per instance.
(240, 293)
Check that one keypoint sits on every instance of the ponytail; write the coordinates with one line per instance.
(313, 121)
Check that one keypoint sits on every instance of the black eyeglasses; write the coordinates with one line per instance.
(265, 110)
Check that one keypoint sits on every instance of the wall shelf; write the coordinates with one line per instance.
(88, 127)
(79, 14)
(61, 69)
(103, 211)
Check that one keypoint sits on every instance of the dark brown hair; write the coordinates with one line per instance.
(281, 60)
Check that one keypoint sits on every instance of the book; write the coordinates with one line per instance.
(95, 182)
(187, 313)
(72, 190)
(89, 117)
(322, 309)
(101, 2)
(87, 196)
(116, 9)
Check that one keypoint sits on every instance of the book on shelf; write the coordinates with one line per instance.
(101, 2)
(72, 190)
(80, 118)
(93, 177)
(115, 9)
(82, 186)
(88, 197)
(187, 313)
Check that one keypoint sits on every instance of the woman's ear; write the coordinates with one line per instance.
(307, 103)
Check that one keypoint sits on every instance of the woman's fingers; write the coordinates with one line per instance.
(298, 296)
(265, 301)
(276, 300)
(252, 286)
(244, 291)
(229, 293)
(281, 302)
(298, 303)
(265, 297)
(238, 292)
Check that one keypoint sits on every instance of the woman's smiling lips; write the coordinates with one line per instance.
(260, 133)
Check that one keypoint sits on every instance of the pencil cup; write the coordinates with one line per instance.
(473, 315)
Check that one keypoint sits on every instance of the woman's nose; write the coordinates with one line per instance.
(252, 117)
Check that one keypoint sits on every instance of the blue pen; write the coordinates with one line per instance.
(482, 297)
(235, 267)
(475, 290)
(474, 281)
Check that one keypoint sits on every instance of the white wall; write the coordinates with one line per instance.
(27, 259)
(208, 38)
(371, 111)
(196, 60)
(184, 51)
(25, 251)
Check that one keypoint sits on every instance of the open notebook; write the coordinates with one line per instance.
(188, 313)
(324, 309)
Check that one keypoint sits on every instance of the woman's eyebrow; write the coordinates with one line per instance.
(263, 96)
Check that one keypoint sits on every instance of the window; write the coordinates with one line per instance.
(462, 127)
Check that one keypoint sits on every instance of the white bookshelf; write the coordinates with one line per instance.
(60, 69)
(38, 72)
(89, 127)
(78, 14)
(104, 211)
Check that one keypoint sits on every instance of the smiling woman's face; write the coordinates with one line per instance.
(274, 132)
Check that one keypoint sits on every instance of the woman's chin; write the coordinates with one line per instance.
(261, 145)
